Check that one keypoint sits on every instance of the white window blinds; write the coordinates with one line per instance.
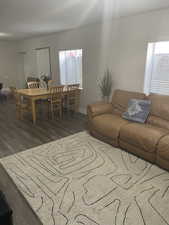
(157, 69)
(70, 62)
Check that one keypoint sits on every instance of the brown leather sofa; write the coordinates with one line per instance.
(149, 141)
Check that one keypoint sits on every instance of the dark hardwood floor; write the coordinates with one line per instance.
(17, 135)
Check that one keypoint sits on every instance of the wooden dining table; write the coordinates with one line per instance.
(37, 94)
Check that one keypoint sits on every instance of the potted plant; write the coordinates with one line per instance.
(105, 85)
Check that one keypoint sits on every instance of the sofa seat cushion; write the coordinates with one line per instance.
(144, 136)
(163, 148)
(109, 125)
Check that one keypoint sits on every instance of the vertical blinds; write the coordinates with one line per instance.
(157, 73)
(160, 74)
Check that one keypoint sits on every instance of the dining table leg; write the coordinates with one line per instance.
(33, 103)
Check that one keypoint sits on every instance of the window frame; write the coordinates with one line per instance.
(71, 49)
(150, 60)
(148, 68)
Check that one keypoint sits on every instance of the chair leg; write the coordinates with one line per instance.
(21, 114)
(48, 110)
(18, 114)
(52, 111)
(60, 111)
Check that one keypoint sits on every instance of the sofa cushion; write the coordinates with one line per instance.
(121, 98)
(144, 136)
(159, 106)
(150, 156)
(159, 122)
(98, 108)
(109, 125)
(163, 148)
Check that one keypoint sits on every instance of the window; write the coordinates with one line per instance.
(70, 62)
(157, 68)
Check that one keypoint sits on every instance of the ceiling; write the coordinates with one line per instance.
(26, 18)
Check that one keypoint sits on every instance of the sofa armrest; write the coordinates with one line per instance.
(98, 108)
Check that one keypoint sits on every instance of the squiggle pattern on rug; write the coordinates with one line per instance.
(79, 180)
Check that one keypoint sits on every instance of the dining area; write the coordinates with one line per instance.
(55, 99)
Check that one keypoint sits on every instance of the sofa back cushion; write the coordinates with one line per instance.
(121, 98)
(159, 106)
(157, 121)
(159, 115)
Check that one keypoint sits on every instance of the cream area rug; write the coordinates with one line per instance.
(79, 180)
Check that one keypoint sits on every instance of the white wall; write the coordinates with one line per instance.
(11, 65)
(134, 34)
(120, 45)
(88, 38)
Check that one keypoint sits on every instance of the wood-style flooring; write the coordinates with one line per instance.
(18, 135)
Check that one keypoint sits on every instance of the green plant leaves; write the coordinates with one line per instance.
(106, 83)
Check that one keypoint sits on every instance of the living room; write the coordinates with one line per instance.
(113, 36)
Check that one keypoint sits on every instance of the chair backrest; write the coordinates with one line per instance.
(73, 95)
(56, 93)
(51, 83)
(32, 79)
(71, 87)
(33, 85)
(13, 90)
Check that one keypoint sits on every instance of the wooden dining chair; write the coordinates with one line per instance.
(21, 106)
(33, 84)
(36, 85)
(55, 101)
(73, 97)
(13, 90)
(73, 86)
(51, 83)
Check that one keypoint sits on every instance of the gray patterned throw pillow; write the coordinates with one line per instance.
(138, 110)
